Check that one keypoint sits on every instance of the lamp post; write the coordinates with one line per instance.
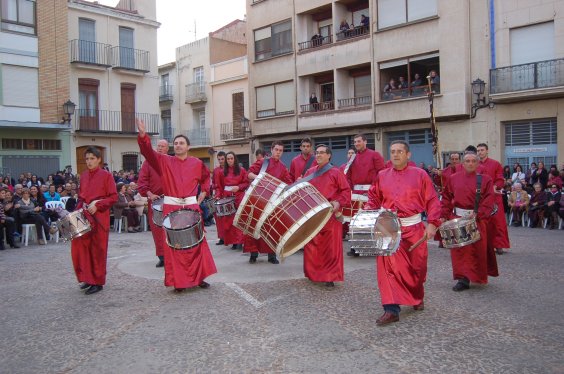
(478, 89)
(68, 109)
(246, 125)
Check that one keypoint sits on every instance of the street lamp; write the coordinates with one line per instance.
(246, 125)
(478, 89)
(68, 109)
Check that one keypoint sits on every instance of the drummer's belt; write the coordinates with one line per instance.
(361, 187)
(191, 200)
(463, 212)
(410, 221)
(358, 197)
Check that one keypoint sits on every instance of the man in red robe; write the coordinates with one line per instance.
(469, 263)
(181, 176)
(302, 162)
(219, 224)
(149, 185)
(363, 170)
(97, 193)
(409, 191)
(444, 175)
(498, 237)
(278, 170)
(323, 255)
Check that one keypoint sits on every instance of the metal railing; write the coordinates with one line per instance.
(318, 107)
(198, 136)
(352, 33)
(404, 93)
(355, 101)
(86, 52)
(130, 59)
(107, 121)
(542, 74)
(168, 133)
(165, 93)
(234, 130)
(196, 92)
(315, 42)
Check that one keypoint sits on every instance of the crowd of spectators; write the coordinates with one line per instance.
(400, 88)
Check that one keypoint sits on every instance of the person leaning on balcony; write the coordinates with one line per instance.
(389, 88)
(365, 23)
(518, 202)
(344, 27)
(313, 102)
(435, 81)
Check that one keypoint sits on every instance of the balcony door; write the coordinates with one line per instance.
(86, 40)
(126, 51)
(88, 104)
(127, 107)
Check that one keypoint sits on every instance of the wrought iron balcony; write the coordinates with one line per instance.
(91, 53)
(234, 131)
(315, 42)
(536, 75)
(352, 33)
(198, 137)
(355, 102)
(196, 92)
(318, 107)
(130, 59)
(165, 93)
(113, 122)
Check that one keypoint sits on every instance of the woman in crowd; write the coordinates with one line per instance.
(537, 205)
(506, 172)
(518, 175)
(518, 203)
(29, 212)
(232, 182)
(125, 206)
(554, 177)
(8, 184)
(540, 175)
(33, 182)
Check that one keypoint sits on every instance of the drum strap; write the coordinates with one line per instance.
(318, 173)
(308, 164)
(478, 192)
(349, 164)
(264, 165)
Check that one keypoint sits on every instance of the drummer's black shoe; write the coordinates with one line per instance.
(499, 251)
(84, 286)
(252, 260)
(352, 253)
(460, 286)
(204, 285)
(387, 318)
(93, 289)
(13, 245)
(219, 242)
(273, 260)
(237, 247)
(179, 290)
(329, 284)
(160, 264)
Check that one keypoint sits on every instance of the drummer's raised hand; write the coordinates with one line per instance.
(140, 127)
(92, 208)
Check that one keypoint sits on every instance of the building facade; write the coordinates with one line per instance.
(367, 62)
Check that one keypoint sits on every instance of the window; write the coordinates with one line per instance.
(530, 133)
(32, 144)
(397, 12)
(273, 40)
(87, 40)
(532, 43)
(362, 86)
(199, 78)
(126, 51)
(20, 86)
(11, 143)
(87, 104)
(405, 78)
(275, 100)
(202, 119)
(19, 16)
(52, 145)
(130, 161)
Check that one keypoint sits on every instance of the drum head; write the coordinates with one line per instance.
(181, 219)
(307, 228)
(158, 204)
(225, 200)
(388, 227)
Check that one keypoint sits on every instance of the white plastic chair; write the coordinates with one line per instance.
(28, 229)
(64, 200)
(52, 205)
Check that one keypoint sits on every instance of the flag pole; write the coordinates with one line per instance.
(434, 128)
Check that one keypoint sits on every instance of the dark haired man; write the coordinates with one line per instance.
(304, 161)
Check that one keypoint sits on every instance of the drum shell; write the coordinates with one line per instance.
(187, 236)
(73, 225)
(157, 206)
(225, 207)
(295, 218)
(459, 232)
(375, 233)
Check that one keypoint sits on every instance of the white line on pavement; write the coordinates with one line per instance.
(115, 258)
(245, 295)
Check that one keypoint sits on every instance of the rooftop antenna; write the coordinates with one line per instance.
(194, 31)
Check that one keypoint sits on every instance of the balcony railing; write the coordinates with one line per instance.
(196, 92)
(199, 137)
(355, 101)
(234, 131)
(318, 107)
(107, 121)
(168, 133)
(352, 33)
(543, 74)
(165, 93)
(92, 53)
(404, 93)
(315, 42)
(130, 59)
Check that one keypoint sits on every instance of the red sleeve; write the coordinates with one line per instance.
(285, 176)
(143, 180)
(255, 168)
(374, 198)
(378, 162)
(446, 201)
(344, 195)
(219, 185)
(111, 194)
(244, 181)
(487, 199)
(149, 153)
(293, 169)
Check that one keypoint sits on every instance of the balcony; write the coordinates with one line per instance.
(354, 102)
(234, 131)
(130, 59)
(319, 107)
(352, 33)
(196, 92)
(404, 93)
(315, 42)
(90, 53)
(199, 137)
(168, 133)
(165, 93)
(113, 122)
(537, 80)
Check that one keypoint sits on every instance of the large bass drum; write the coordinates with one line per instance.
(295, 218)
(73, 225)
(459, 232)
(375, 233)
(184, 228)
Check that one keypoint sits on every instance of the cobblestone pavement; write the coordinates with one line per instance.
(267, 318)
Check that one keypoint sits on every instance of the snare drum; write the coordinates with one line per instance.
(357, 202)
(459, 232)
(375, 233)
(261, 194)
(295, 218)
(158, 211)
(73, 225)
(210, 204)
(226, 206)
(184, 228)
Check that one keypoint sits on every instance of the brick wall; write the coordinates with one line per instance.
(52, 33)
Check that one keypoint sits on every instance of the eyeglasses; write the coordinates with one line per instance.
(320, 152)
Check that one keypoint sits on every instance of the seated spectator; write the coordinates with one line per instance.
(51, 194)
(554, 178)
(29, 212)
(39, 200)
(435, 81)
(537, 205)
(140, 201)
(34, 181)
(389, 88)
(125, 206)
(6, 222)
(553, 205)
(518, 203)
(344, 27)
(518, 175)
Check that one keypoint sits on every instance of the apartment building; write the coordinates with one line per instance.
(34, 131)
(113, 78)
(367, 63)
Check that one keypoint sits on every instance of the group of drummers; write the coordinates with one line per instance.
(271, 210)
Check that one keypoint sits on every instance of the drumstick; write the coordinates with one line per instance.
(417, 243)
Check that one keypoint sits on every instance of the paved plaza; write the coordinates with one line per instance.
(268, 318)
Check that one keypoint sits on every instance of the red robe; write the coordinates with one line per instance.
(364, 169)
(150, 181)
(498, 236)
(231, 234)
(278, 170)
(471, 261)
(298, 164)
(90, 252)
(218, 220)
(181, 178)
(323, 255)
(408, 191)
